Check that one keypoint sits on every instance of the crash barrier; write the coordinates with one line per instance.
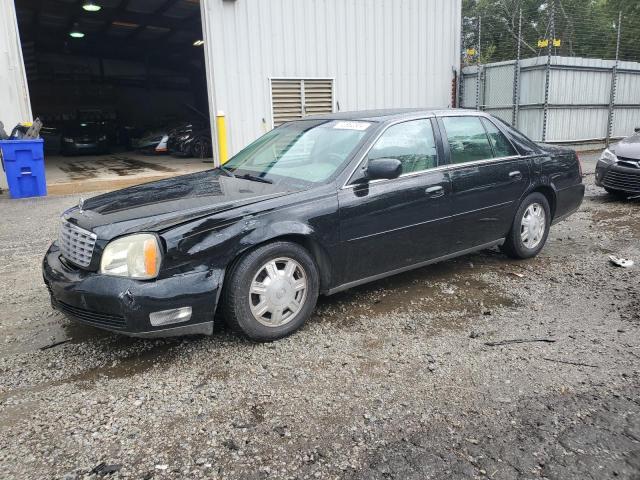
(23, 164)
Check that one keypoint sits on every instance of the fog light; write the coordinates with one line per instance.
(165, 317)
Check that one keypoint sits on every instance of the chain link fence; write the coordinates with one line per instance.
(557, 70)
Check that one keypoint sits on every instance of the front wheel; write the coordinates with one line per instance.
(530, 228)
(271, 291)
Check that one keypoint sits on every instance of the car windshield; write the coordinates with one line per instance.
(306, 150)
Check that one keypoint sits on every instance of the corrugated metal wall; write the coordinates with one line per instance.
(579, 95)
(380, 53)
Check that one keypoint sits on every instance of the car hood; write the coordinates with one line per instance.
(628, 147)
(157, 206)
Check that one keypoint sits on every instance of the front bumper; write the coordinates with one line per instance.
(618, 177)
(123, 305)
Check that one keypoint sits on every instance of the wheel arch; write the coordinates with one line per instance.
(548, 192)
(305, 240)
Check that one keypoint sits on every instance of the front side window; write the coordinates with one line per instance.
(501, 146)
(411, 142)
(467, 138)
(310, 151)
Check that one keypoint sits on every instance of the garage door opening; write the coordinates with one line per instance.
(120, 86)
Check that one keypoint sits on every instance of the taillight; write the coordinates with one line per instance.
(579, 164)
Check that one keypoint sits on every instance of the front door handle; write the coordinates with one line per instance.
(435, 191)
(516, 175)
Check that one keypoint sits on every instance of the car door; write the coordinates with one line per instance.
(387, 225)
(488, 177)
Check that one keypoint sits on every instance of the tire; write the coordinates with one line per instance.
(201, 148)
(242, 306)
(523, 242)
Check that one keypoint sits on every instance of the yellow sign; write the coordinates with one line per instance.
(545, 43)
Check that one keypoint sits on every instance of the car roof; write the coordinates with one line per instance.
(384, 115)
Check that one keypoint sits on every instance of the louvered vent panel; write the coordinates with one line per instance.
(286, 96)
(318, 97)
(294, 99)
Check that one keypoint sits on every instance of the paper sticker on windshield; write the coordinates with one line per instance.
(352, 125)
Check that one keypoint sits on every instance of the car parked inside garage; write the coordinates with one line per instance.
(313, 207)
(84, 138)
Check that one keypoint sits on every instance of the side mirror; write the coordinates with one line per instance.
(637, 129)
(386, 168)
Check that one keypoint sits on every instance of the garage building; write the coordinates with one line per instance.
(260, 63)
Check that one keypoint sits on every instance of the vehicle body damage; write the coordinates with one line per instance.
(355, 229)
(618, 169)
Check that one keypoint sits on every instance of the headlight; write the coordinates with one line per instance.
(608, 157)
(135, 256)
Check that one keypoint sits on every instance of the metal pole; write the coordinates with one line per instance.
(614, 83)
(516, 77)
(478, 76)
(461, 76)
(552, 30)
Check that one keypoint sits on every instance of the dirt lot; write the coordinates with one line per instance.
(397, 379)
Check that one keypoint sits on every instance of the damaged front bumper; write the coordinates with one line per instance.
(620, 176)
(124, 305)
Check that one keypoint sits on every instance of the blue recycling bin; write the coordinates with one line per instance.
(23, 163)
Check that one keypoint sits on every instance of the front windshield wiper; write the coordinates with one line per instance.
(255, 178)
(226, 171)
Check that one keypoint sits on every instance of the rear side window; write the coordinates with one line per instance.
(501, 146)
(411, 142)
(467, 138)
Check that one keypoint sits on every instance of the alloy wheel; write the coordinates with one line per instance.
(278, 291)
(533, 225)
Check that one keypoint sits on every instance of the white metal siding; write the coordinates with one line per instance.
(14, 93)
(380, 54)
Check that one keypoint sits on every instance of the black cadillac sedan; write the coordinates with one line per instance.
(313, 207)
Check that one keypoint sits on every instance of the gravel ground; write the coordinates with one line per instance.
(396, 379)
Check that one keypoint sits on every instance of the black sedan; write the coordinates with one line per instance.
(618, 169)
(84, 138)
(313, 207)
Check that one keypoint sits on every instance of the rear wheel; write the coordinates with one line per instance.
(530, 228)
(271, 291)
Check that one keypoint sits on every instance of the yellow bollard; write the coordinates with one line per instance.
(221, 126)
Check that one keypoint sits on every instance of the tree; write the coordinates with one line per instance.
(586, 28)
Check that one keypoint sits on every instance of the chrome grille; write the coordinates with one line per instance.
(76, 244)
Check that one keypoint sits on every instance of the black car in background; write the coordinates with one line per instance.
(618, 169)
(313, 207)
(84, 138)
(191, 139)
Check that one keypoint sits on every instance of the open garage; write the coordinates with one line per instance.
(111, 80)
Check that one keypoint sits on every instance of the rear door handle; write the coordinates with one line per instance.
(435, 191)
(516, 175)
